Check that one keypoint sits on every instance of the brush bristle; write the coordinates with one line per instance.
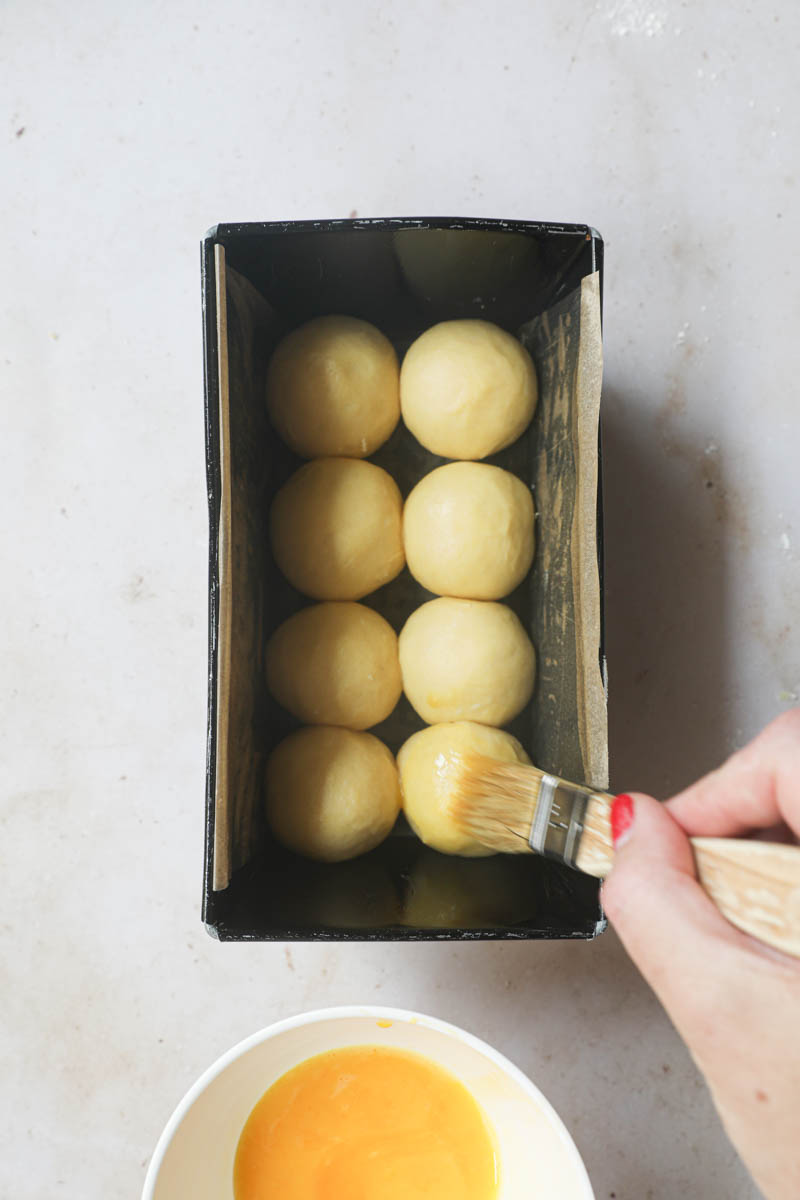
(495, 802)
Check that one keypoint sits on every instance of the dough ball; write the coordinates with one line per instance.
(470, 893)
(336, 529)
(467, 389)
(429, 763)
(466, 660)
(331, 793)
(333, 388)
(335, 664)
(468, 531)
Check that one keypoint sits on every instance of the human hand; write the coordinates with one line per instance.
(735, 1002)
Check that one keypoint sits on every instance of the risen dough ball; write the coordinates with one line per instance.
(467, 389)
(336, 529)
(468, 531)
(331, 793)
(466, 660)
(333, 388)
(335, 664)
(429, 763)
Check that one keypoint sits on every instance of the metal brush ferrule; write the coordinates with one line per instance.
(558, 823)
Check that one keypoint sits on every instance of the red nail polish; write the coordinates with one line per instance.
(621, 820)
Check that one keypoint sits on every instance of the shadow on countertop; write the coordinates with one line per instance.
(669, 517)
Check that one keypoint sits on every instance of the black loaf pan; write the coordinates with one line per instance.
(403, 275)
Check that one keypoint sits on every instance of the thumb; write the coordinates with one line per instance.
(669, 926)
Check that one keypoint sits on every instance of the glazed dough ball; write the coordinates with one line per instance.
(467, 389)
(429, 763)
(333, 388)
(468, 531)
(336, 529)
(331, 793)
(335, 664)
(466, 660)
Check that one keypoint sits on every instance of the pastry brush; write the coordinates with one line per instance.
(519, 809)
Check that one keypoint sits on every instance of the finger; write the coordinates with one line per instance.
(669, 926)
(737, 798)
(757, 788)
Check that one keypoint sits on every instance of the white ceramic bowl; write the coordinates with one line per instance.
(194, 1155)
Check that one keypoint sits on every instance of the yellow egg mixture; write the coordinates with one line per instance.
(366, 1123)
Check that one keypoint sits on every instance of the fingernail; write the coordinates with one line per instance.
(621, 820)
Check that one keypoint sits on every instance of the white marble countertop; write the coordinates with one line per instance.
(673, 128)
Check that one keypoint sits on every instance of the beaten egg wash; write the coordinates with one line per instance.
(366, 1123)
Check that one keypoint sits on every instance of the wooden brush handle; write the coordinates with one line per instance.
(756, 885)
